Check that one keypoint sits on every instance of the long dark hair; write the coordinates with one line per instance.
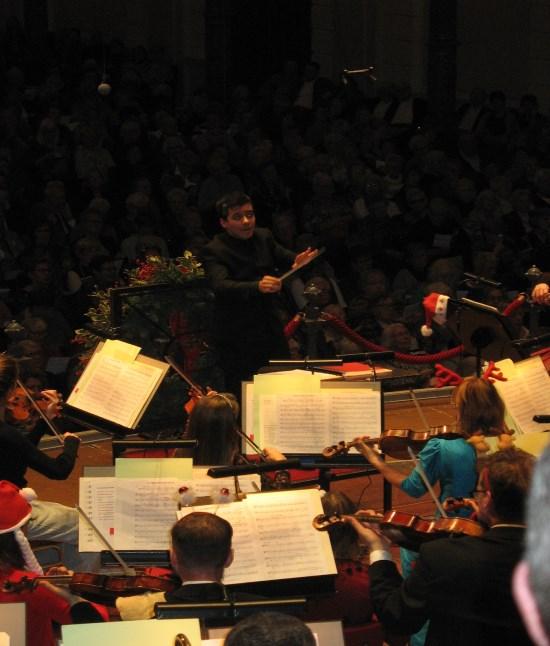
(213, 423)
(10, 553)
(8, 375)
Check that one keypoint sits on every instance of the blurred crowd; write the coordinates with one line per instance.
(92, 182)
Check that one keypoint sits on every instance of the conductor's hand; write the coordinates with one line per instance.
(541, 294)
(270, 285)
(304, 257)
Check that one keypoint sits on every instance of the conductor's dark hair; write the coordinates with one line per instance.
(202, 540)
(230, 201)
(270, 629)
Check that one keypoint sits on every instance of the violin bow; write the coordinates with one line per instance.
(128, 571)
(416, 403)
(182, 374)
(425, 480)
(40, 412)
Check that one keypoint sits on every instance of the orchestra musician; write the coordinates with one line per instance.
(45, 602)
(449, 462)
(270, 629)
(200, 551)
(213, 422)
(49, 520)
(462, 585)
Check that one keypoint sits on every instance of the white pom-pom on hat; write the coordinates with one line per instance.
(435, 309)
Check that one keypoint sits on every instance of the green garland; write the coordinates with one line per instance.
(154, 271)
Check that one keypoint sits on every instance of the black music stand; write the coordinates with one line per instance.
(483, 331)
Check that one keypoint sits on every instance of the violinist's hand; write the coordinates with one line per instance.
(58, 570)
(368, 536)
(367, 452)
(66, 435)
(270, 285)
(541, 294)
(304, 257)
(54, 399)
(273, 454)
(452, 504)
(195, 393)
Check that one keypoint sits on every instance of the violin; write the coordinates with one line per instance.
(407, 530)
(100, 588)
(19, 406)
(395, 441)
(343, 447)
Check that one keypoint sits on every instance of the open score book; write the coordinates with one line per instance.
(118, 383)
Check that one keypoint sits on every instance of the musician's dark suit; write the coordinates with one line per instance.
(461, 584)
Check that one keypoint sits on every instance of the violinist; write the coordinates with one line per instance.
(49, 521)
(45, 603)
(462, 585)
(200, 551)
(451, 462)
(212, 422)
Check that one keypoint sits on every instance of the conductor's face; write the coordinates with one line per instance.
(240, 221)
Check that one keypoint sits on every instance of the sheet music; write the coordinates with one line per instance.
(117, 384)
(145, 510)
(273, 537)
(115, 390)
(288, 541)
(306, 423)
(526, 391)
(97, 499)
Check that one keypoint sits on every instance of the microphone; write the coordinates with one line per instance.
(482, 280)
(387, 355)
(534, 340)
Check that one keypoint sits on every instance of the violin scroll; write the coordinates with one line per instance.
(343, 447)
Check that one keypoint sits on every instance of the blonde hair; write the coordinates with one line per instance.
(479, 407)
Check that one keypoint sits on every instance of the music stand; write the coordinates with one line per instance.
(483, 331)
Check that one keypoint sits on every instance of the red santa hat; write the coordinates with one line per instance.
(15, 511)
(435, 308)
